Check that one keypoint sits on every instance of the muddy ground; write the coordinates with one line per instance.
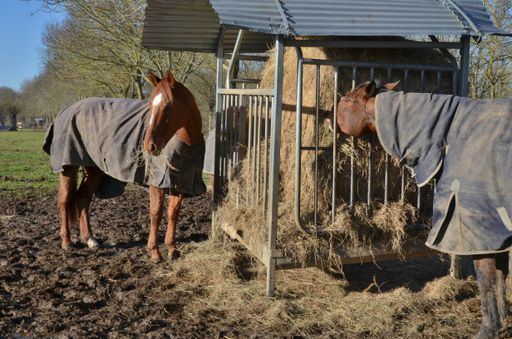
(111, 290)
(115, 291)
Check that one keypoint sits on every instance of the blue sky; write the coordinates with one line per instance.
(22, 24)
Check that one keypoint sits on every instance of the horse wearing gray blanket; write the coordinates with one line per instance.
(156, 143)
(466, 145)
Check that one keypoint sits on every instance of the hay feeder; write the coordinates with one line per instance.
(277, 163)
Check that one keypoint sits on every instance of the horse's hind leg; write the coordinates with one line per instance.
(172, 216)
(502, 270)
(90, 182)
(156, 207)
(485, 268)
(67, 203)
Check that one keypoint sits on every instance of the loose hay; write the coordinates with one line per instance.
(216, 287)
(356, 229)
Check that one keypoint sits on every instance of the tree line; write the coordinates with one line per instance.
(97, 51)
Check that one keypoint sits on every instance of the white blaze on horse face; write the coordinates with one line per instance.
(157, 100)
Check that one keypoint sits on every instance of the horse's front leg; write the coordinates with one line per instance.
(173, 212)
(486, 273)
(89, 185)
(67, 203)
(156, 207)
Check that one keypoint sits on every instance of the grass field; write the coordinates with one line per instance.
(23, 163)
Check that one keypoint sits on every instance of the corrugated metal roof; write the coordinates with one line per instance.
(194, 25)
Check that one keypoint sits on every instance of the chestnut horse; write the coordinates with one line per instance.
(172, 111)
(427, 136)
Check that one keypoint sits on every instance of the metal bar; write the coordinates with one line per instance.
(438, 81)
(298, 142)
(352, 163)
(422, 81)
(369, 190)
(218, 108)
(418, 198)
(248, 57)
(454, 83)
(254, 147)
(334, 144)
(258, 150)
(249, 146)
(247, 91)
(386, 155)
(312, 148)
(225, 104)
(341, 63)
(265, 152)
(274, 166)
(229, 135)
(458, 9)
(402, 185)
(234, 55)
(464, 66)
(317, 140)
(371, 44)
(386, 177)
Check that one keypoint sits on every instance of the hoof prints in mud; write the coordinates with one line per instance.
(113, 289)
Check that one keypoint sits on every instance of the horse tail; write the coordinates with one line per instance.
(48, 140)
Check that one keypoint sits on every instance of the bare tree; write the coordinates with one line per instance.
(491, 59)
(9, 106)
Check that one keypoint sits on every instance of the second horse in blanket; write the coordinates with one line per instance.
(466, 144)
(106, 137)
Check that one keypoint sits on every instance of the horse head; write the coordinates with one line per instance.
(356, 110)
(163, 120)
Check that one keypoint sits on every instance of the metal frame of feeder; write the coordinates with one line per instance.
(233, 105)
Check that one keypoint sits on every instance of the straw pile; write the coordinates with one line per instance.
(219, 288)
(361, 226)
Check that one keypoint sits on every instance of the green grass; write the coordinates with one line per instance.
(23, 164)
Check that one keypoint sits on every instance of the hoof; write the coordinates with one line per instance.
(91, 243)
(173, 254)
(156, 259)
(66, 246)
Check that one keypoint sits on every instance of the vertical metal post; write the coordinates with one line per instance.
(298, 136)
(334, 144)
(352, 161)
(265, 152)
(317, 141)
(464, 66)
(218, 109)
(258, 149)
(275, 146)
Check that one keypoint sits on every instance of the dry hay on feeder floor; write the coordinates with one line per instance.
(220, 286)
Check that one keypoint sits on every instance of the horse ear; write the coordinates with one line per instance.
(392, 85)
(153, 79)
(370, 88)
(170, 78)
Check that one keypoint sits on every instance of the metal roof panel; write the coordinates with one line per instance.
(194, 25)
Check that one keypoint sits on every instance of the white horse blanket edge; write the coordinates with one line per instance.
(467, 145)
(108, 133)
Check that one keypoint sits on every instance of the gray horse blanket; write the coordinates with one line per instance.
(467, 145)
(109, 134)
